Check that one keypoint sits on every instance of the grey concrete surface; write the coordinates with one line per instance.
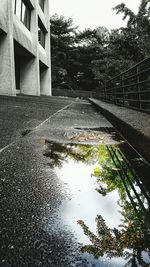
(132, 124)
(32, 232)
(34, 61)
(18, 114)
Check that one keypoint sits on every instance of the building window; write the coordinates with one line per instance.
(41, 3)
(25, 16)
(14, 5)
(41, 34)
(23, 12)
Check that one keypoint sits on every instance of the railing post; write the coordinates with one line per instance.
(123, 92)
(105, 93)
(114, 93)
(138, 87)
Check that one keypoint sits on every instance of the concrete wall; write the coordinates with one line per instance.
(44, 54)
(29, 77)
(74, 93)
(7, 75)
(23, 36)
(4, 9)
(45, 82)
(31, 80)
(29, 70)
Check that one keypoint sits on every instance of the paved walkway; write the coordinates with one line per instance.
(32, 228)
(22, 113)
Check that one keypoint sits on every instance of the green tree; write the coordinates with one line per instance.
(91, 46)
(62, 43)
(86, 59)
(138, 28)
(125, 46)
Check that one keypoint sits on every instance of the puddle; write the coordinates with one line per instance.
(108, 201)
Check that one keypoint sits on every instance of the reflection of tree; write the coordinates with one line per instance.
(113, 172)
(105, 242)
(88, 154)
(129, 241)
(116, 173)
(108, 177)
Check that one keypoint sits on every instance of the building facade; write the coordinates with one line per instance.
(25, 47)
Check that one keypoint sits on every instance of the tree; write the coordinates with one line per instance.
(91, 46)
(86, 59)
(138, 28)
(62, 43)
(125, 46)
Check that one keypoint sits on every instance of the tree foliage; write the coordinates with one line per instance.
(62, 45)
(85, 59)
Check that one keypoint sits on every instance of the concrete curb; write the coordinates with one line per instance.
(133, 125)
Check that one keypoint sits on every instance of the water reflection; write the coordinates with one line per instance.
(113, 172)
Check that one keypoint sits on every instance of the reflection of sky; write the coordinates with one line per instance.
(85, 202)
(103, 261)
(146, 257)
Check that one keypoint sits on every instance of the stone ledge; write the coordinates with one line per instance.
(133, 125)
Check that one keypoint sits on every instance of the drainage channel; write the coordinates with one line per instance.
(107, 208)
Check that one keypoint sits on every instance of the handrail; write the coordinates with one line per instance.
(132, 91)
(139, 63)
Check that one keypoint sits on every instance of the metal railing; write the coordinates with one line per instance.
(131, 88)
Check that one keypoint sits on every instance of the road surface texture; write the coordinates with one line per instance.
(32, 232)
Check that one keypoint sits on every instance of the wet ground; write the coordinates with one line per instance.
(18, 115)
(72, 191)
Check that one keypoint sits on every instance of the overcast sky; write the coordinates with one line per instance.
(92, 13)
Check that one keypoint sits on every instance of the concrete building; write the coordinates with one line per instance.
(25, 47)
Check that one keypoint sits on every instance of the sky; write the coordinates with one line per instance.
(92, 13)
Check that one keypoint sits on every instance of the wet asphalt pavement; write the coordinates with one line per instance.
(23, 113)
(32, 231)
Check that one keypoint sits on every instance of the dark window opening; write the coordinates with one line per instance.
(41, 3)
(17, 72)
(14, 5)
(23, 12)
(41, 34)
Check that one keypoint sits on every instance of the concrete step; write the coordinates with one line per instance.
(133, 125)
